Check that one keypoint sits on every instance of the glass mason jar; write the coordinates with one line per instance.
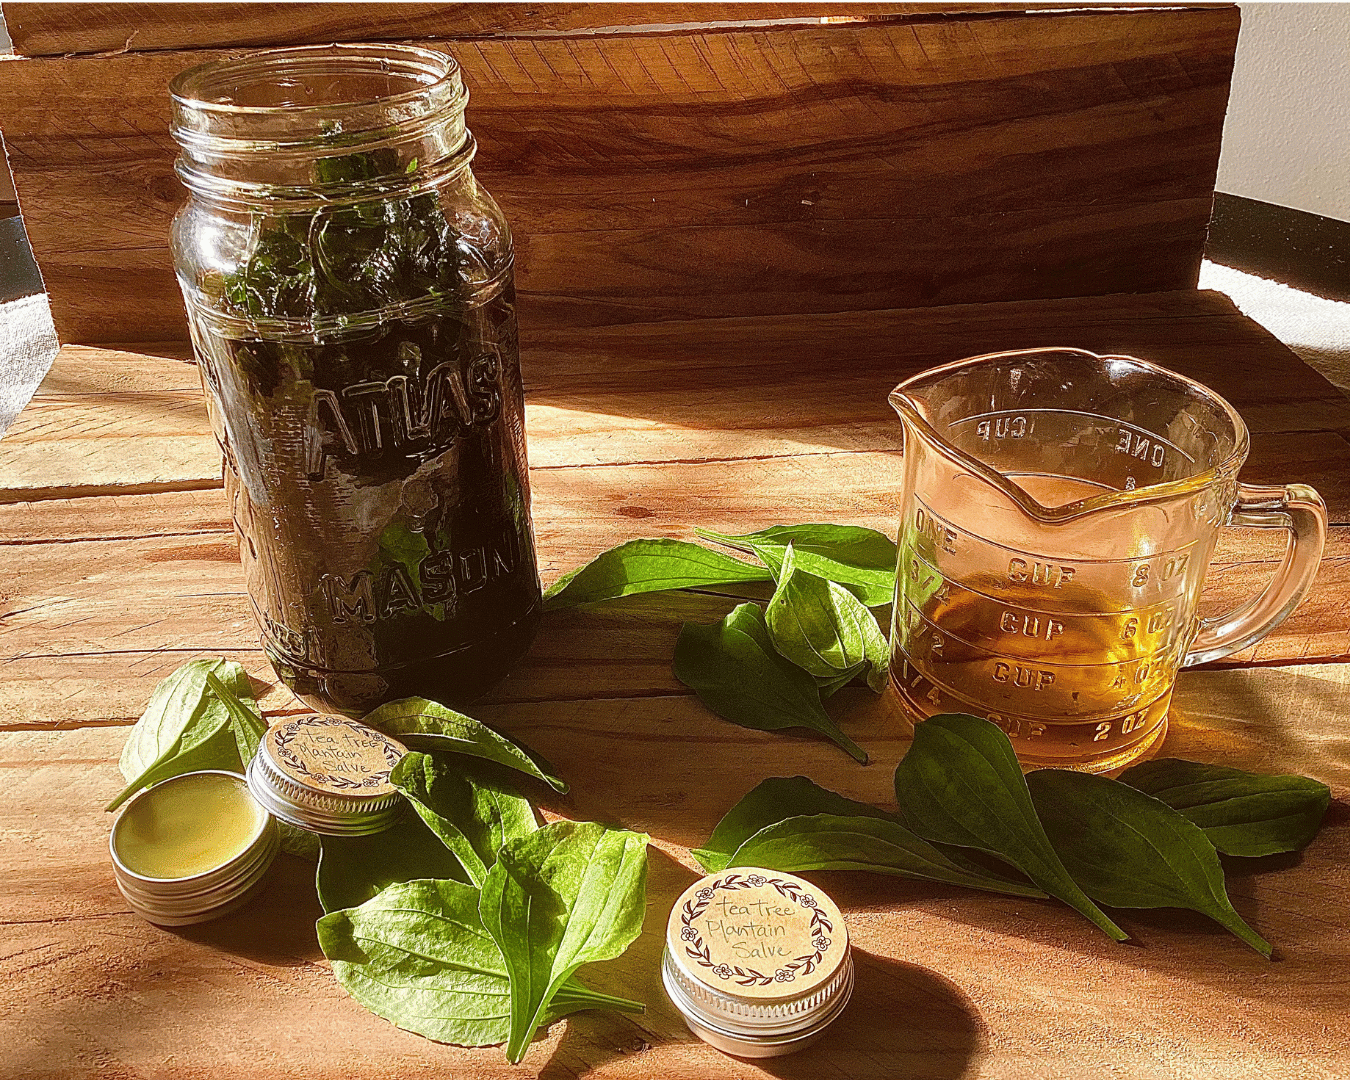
(349, 289)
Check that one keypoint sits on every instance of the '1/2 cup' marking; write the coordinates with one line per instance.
(1035, 622)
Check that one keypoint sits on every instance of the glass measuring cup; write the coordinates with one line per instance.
(1057, 516)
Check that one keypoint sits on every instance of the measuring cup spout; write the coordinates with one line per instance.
(916, 425)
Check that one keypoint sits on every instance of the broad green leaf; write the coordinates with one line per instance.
(417, 955)
(301, 843)
(769, 802)
(960, 784)
(822, 627)
(353, 869)
(781, 798)
(1130, 850)
(209, 745)
(1242, 813)
(877, 845)
(468, 804)
(428, 725)
(736, 672)
(179, 699)
(567, 895)
(861, 560)
(829, 687)
(186, 728)
(642, 566)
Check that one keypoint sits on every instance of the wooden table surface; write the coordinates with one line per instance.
(120, 565)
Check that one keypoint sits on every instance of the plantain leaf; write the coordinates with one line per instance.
(354, 869)
(823, 628)
(829, 687)
(186, 727)
(468, 805)
(566, 895)
(1130, 850)
(876, 845)
(795, 798)
(1241, 813)
(769, 802)
(642, 566)
(736, 672)
(418, 955)
(861, 560)
(960, 784)
(428, 725)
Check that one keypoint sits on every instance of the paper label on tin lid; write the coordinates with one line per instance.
(334, 755)
(757, 933)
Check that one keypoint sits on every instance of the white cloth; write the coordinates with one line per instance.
(28, 346)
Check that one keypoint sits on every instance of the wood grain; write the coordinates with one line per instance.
(950, 983)
(47, 29)
(647, 392)
(649, 429)
(769, 170)
(88, 626)
(635, 430)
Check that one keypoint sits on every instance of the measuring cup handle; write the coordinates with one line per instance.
(1298, 509)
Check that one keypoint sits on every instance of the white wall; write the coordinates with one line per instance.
(1287, 137)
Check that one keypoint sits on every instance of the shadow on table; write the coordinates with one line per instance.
(276, 927)
(904, 1022)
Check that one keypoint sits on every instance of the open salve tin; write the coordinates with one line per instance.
(192, 848)
(327, 774)
(757, 961)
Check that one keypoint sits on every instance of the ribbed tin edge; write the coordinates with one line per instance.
(793, 1021)
(201, 905)
(742, 1016)
(326, 815)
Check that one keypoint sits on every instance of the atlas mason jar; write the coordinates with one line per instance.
(349, 290)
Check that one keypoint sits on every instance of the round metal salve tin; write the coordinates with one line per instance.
(757, 961)
(327, 774)
(182, 856)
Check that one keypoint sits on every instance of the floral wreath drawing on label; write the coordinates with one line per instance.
(697, 949)
(293, 756)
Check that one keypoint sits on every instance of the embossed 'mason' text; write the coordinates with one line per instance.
(440, 579)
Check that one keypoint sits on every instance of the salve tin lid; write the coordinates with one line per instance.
(327, 774)
(757, 960)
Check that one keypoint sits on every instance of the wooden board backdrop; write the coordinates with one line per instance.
(719, 170)
(69, 29)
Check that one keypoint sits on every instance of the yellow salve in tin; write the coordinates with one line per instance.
(187, 826)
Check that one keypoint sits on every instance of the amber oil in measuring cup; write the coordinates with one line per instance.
(1057, 516)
